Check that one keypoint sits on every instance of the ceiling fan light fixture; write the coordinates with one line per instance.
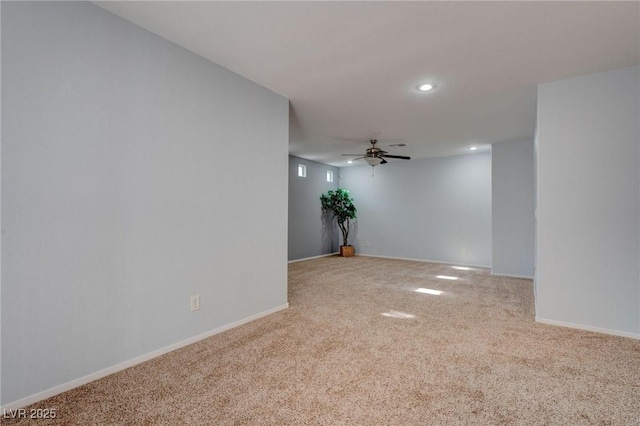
(425, 87)
(373, 161)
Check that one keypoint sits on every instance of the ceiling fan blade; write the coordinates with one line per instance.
(400, 157)
(383, 161)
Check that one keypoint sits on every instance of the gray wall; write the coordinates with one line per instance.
(436, 209)
(310, 232)
(133, 176)
(512, 208)
(588, 201)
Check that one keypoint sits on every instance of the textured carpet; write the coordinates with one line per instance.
(359, 346)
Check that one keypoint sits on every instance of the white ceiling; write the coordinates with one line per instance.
(350, 68)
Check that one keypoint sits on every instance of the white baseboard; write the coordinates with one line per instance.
(425, 260)
(589, 328)
(498, 274)
(134, 361)
(314, 257)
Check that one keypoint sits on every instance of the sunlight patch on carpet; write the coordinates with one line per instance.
(463, 268)
(429, 291)
(447, 277)
(398, 314)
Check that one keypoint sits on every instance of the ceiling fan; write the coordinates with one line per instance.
(374, 155)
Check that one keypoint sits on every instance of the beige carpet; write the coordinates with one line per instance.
(359, 346)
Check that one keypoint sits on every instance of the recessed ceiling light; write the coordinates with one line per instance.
(425, 87)
(473, 148)
(350, 161)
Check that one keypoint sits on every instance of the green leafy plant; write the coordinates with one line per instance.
(341, 207)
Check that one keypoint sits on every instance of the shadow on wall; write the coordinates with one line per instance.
(331, 238)
(353, 233)
(329, 232)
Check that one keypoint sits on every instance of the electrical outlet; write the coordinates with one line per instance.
(195, 302)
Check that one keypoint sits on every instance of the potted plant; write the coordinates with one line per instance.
(342, 209)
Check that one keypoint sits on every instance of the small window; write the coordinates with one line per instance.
(302, 170)
(329, 176)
